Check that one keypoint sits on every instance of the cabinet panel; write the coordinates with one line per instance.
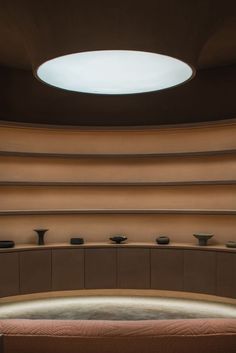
(226, 275)
(40, 270)
(35, 271)
(167, 269)
(9, 274)
(100, 268)
(67, 269)
(200, 271)
(133, 268)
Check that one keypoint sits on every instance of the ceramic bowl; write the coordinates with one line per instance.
(231, 244)
(7, 244)
(118, 238)
(162, 240)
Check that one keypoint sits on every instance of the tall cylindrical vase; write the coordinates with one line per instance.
(40, 233)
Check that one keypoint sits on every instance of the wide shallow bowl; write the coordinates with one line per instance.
(231, 244)
(162, 240)
(118, 239)
(203, 238)
(7, 244)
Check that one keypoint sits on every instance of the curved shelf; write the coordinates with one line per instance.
(151, 245)
(117, 211)
(117, 183)
(117, 155)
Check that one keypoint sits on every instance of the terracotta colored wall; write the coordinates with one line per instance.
(135, 197)
(99, 227)
(142, 228)
(126, 169)
(212, 137)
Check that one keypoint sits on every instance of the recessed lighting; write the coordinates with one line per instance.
(116, 308)
(114, 72)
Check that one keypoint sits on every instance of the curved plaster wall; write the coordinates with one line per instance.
(173, 169)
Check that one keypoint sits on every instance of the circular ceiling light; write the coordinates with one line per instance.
(114, 72)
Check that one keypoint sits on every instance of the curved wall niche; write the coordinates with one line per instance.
(99, 227)
(141, 182)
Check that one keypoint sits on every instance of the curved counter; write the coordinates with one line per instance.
(28, 269)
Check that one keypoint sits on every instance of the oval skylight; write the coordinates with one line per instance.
(114, 72)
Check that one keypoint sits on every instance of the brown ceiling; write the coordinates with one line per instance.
(202, 33)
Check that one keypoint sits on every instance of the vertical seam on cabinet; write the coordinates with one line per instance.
(182, 273)
(84, 268)
(51, 270)
(85, 250)
(150, 269)
(184, 270)
(117, 264)
(216, 272)
(233, 276)
(19, 264)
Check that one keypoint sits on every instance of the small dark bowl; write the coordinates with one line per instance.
(118, 239)
(231, 244)
(7, 244)
(77, 241)
(162, 240)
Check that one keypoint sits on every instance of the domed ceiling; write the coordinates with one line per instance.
(201, 33)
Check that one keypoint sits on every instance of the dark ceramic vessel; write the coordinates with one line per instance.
(231, 244)
(7, 244)
(162, 240)
(77, 241)
(203, 238)
(41, 233)
(119, 239)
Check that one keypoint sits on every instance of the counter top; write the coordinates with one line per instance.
(171, 245)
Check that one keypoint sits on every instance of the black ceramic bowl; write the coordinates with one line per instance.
(118, 239)
(7, 244)
(231, 244)
(77, 241)
(163, 239)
